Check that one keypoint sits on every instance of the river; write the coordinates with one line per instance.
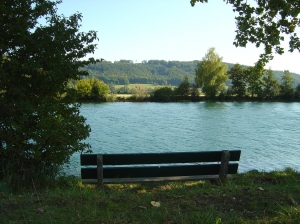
(267, 133)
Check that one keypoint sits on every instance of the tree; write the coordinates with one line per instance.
(265, 23)
(211, 74)
(194, 90)
(238, 80)
(297, 92)
(271, 85)
(253, 77)
(286, 88)
(93, 88)
(84, 88)
(40, 126)
(184, 88)
(100, 90)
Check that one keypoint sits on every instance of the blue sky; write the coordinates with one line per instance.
(167, 30)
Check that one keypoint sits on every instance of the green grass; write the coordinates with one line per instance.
(253, 197)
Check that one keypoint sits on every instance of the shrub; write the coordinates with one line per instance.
(164, 94)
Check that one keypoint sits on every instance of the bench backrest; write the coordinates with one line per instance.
(136, 165)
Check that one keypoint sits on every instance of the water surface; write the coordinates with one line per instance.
(267, 133)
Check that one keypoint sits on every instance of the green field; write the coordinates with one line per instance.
(146, 86)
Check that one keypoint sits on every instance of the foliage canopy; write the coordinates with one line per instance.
(211, 74)
(238, 80)
(286, 88)
(92, 89)
(163, 94)
(271, 85)
(266, 23)
(40, 51)
(184, 87)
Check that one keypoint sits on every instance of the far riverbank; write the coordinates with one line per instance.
(202, 98)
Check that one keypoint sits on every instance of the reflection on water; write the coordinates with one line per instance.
(267, 133)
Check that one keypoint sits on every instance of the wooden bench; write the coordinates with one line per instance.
(151, 167)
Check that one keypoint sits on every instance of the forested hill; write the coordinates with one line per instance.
(153, 72)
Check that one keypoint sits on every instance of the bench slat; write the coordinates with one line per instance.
(156, 171)
(158, 158)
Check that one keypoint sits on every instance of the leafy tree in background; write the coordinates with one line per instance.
(194, 91)
(184, 88)
(100, 90)
(253, 76)
(112, 88)
(265, 23)
(40, 127)
(211, 74)
(92, 89)
(238, 80)
(286, 86)
(271, 85)
(84, 88)
(297, 92)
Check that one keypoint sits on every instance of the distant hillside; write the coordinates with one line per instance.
(153, 72)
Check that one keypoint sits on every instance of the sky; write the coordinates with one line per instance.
(170, 30)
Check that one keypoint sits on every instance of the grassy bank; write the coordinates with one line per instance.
(253, 197)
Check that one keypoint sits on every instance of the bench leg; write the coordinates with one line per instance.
(224, 166)
(100, 170)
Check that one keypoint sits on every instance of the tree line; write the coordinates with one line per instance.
(157, 72)
(212, 76)
(212, 79)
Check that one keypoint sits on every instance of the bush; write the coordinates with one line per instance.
(92, 89)
(164, 94)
